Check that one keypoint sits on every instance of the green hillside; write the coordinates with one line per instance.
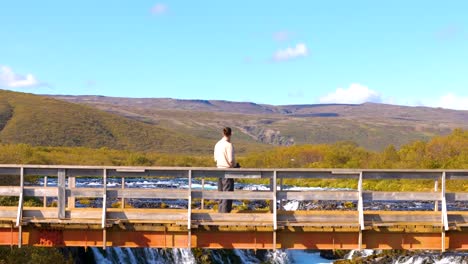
(43, 121)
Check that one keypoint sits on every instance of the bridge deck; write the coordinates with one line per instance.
(65, 225)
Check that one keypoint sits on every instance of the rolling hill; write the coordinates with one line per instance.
(370, 125)
(44, 121)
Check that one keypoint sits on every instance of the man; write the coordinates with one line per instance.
(224, 158)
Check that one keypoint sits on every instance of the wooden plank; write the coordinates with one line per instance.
(401, 175)
(9, 212)
(401, 196)
(318, 195)
(232, 173)
(9, 171)
(316, 175)
(402, 217)
(232, 217)
(40, 191)
(61, 193)
(243, 174)
(457, 218)
(3, 166)
(151, 217)
(41, 213)
(324, 219)
(452, 197)
(41, 171)
(130, 193)
(10, 190)
(142, 172)
(460, 175)
(96, 172)
(236, 195)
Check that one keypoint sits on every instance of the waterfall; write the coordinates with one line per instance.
(183, 256)
(143, 255)
(99, 257)
(278, 257)
(433, 258)
(246, 256)
(362, 253)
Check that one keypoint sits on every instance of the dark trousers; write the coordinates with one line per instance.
(225, 185)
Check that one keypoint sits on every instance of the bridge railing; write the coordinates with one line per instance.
(61, 182)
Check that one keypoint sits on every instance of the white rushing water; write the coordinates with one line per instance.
(184, 256)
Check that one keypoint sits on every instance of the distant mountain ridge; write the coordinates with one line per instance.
(254, 108)
(371, 125)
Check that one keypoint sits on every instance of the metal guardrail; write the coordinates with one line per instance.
(67, 192)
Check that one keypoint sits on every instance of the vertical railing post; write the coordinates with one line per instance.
(189, 211)
(61, 193)
(104, 208)
(281, 189)
(436, 203)
(122, 205)
(45, 187)
(444, 219)
(273, 204)
(203, 190)
(19, 214)
(360, 209)
(71, 199)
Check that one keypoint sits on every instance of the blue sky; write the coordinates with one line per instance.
(284, 52)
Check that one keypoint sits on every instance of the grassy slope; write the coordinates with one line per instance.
(37, 120)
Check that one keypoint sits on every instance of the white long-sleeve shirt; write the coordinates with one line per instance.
(224, 154)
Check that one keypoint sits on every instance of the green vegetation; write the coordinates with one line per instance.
(32, 255)
(42, 121)
(442, 152)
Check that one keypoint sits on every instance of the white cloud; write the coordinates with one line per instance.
(355, 94)
(290, 53)
(10, 79)
(452, 101)
(159, 9)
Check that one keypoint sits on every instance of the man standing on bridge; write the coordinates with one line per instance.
(224, 158)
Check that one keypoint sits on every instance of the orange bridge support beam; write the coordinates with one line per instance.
(454, 240)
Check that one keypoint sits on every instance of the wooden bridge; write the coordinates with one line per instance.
(63, 223)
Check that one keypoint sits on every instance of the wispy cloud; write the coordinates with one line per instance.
(449, 32)
(90, 83)
(10, 79)
(282, 35)
(159, 9)
(300, 50)
(296, 94)
(354, 94)
(453, 101)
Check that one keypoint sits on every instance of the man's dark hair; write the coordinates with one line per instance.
(227, 131)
